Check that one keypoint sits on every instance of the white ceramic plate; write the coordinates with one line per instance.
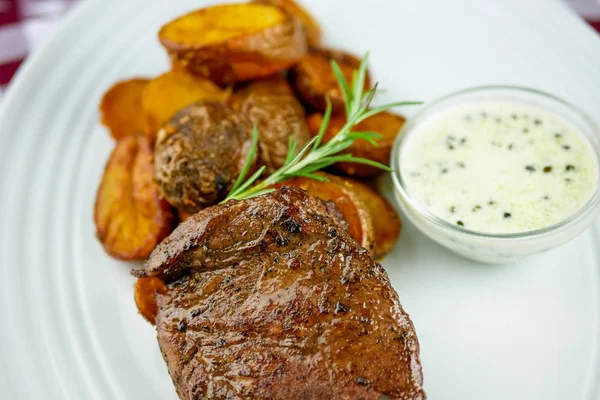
(68, 324)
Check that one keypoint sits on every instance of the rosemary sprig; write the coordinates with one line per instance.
(316, 155)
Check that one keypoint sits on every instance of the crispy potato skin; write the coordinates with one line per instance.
(144, 294)
(183, 216)
(170, 92)
(385, 123)
(386, 222)
(271, 105)
(121, 108)
(130, 216)
(352, 207)
(311, 26)
(313, 78)
(200, 153)
(256, 52)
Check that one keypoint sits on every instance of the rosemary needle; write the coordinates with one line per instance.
(316, 155)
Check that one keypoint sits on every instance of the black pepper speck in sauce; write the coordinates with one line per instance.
(516, 154)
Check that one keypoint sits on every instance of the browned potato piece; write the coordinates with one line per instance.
(235, 42)
(170, 92)
(313, 78)
(121, 108)
(385, 123)
(311, 26)
(200, 153)
(386, 223)
(272, 106)
(176, 67)
(144, 294)
(183, 215)
(131, 218)
(351, 205)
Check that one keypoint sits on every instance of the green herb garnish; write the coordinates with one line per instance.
(316, 155)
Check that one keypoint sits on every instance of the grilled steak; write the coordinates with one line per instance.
(271, 298)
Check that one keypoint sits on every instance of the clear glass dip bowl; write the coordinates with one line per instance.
(490, 247)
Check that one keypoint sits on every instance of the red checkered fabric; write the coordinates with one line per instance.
(24, 24)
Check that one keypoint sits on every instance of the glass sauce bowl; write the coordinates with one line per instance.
(485, 247)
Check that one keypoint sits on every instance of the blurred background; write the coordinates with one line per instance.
(25, 24)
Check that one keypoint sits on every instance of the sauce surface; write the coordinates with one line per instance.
(499, 167)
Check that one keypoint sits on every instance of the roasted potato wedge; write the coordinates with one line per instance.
(144, 294)
(170, 92)
(131, 218)
(353, 208)
(386, 222)
(183, 215)
(271, 105)
(235, 42)
(200, 153)
(121, 108)
(311, 26)
(313, 78)
(385, 123)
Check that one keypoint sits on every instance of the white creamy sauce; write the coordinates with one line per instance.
(499, 167)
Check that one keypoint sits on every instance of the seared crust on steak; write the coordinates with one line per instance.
(271, 298)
